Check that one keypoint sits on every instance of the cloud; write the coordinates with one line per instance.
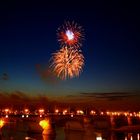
(47, 75)
(121, 100)
(111, 96)
(109, 101)
(5, 76)
(18, 99)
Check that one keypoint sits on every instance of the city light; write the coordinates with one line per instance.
(131, 114)
(102, 113)
(1, 123)
(26, 111)
(71, 115)
(138, 136)
(98, 138)
(6, 110)
(29, 138)
(92, 112)
(56, 111)
(80, 112)
(44, 124)
(41, 111)
(108, 113)
(125, 113)
(65, 112)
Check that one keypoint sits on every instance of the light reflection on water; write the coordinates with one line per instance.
(14, 132)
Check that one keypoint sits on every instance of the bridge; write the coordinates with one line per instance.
(103, 121)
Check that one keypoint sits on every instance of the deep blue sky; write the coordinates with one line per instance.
(111, 47)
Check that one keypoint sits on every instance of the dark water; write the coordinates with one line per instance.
(19, 131)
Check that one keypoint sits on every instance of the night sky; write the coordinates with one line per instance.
(111, 48)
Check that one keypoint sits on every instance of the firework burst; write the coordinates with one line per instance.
(67, 62)
(70, 35)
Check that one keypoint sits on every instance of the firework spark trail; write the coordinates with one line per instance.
(67, 63)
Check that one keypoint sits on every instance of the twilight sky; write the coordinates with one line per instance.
(111, 47)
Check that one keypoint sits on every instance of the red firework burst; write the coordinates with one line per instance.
(70, 34)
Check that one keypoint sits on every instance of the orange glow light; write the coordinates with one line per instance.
(131, 114)
(98, 138)
(92, 112)
(6, 110)
(44, 124)
(64, 112)
(26, 110)
(1, 123)
(138, 136)
(102, 113)
(56, 111)
(108, 113)
(41, 111)
(80, 112)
